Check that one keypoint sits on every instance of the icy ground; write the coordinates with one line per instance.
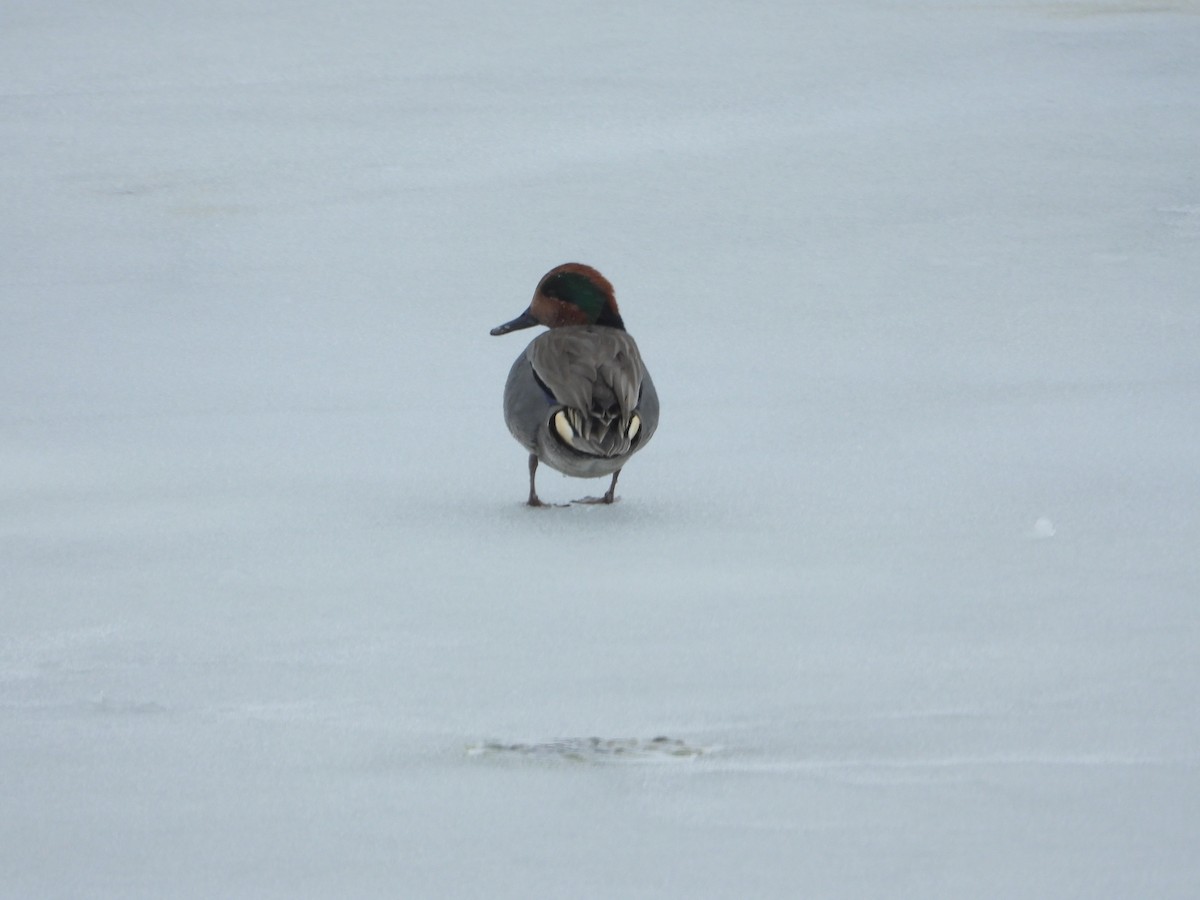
(911, 565)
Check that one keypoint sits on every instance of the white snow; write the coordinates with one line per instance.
(915, 281)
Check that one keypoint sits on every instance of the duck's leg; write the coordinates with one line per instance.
(610, 494)
(533, 497)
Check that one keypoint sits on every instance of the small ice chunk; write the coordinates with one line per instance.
(1043, 528)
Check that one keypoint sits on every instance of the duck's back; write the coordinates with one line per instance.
(597, 376)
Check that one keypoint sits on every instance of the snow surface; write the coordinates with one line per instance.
(911, 563)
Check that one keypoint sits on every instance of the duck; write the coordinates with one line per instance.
(578, 398)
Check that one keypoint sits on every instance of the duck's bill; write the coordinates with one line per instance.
(524, 320)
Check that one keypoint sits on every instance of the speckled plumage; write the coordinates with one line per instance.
(578, 398)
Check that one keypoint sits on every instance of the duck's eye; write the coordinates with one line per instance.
(635, 425)
(563, 426)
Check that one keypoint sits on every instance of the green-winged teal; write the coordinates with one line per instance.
(579, 397)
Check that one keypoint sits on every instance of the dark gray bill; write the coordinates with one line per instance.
(524, 320)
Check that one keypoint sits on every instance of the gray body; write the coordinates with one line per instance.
(594, 371)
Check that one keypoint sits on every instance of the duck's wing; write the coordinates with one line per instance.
(596, 373)
(582, 365)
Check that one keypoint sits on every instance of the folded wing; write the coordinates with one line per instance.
(596, 374)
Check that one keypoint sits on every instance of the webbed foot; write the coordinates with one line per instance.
(610, 496)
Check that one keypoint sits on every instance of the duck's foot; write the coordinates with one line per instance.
(610, 496)
(539, 504)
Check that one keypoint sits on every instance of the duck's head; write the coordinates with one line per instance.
(570, 294)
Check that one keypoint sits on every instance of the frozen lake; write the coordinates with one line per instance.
(906, 586)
